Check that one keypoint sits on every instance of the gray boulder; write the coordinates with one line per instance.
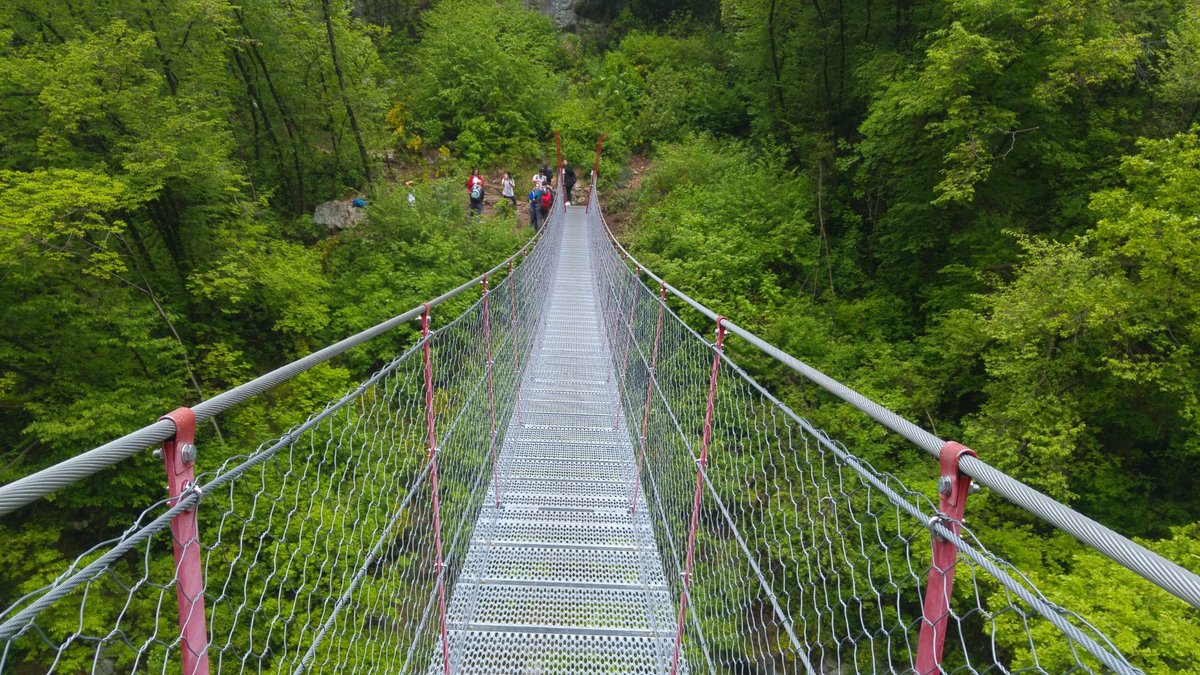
(338, 215)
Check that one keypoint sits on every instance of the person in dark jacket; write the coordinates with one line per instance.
(568, 182)
(475, 191)
(549, 176)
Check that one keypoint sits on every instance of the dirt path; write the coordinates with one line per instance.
(619, 205)
(492, 198)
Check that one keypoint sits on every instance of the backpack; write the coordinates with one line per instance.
(547, 199)
(477, 192)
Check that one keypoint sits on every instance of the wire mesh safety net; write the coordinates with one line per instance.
(319, 548)
(806, 559)
(767, 547)
(560, 576)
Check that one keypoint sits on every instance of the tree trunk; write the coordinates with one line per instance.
(329, 121)
(821, 222)
(775, 68)
(289, 125)
(259, 107)
(337, 71)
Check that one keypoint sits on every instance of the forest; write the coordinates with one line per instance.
(982, 214)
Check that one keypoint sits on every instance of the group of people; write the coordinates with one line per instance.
(541, 197)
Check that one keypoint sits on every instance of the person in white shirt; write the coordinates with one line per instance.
(538, 179)
(507, 188)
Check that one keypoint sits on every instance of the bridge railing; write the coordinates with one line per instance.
(786, 550)
(331, 547)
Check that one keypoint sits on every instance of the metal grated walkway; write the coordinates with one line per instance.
(562, 578)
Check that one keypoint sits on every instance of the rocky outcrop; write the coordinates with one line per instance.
(338, 215)
(562, 12)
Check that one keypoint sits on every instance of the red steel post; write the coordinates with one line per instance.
(650, 385)
(705, 438)
(512, 294)
(595, 173)
(628, 347)
(558, 150)
(487, 336)
(179, 457)
(431, 421)
(953, 487)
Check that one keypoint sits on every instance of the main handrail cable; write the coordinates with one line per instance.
(1171, 577)
(37, 485)
(217, 486)
(1095, 643)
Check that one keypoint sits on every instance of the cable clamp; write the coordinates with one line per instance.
(189, 488)
(943, 520)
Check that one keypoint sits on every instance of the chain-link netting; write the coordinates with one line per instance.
(318, 549)
(805, 557)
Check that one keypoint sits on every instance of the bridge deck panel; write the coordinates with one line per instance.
(562, 578)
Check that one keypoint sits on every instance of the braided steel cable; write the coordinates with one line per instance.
(30, 488)
(317, 547)
(809, 559)
(1168, 575)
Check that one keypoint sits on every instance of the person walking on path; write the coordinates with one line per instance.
(538, 179)
(568, 182)
(475, 190)
(507, 189)
(547, 176)
(535, 203)
(545, 202)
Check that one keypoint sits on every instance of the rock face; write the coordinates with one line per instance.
(562, 12)
(338, 215)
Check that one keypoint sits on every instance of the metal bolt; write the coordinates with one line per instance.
(187, 452)
(157, 454)
(975, 487)
(945, 485)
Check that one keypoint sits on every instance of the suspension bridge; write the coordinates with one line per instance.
(564, 478)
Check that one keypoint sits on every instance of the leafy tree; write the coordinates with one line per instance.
(483, 80)
(1153, 629)
(1090, 351)
(949, 145)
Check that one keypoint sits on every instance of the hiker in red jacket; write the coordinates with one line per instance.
(546, 201)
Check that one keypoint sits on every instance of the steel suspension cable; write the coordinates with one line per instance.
(30, 488)
(1147, 564)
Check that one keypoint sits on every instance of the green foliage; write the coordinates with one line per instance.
(981, 214)
(406, 254)
(996, 97)
(580, 124)
(662, 87)
(276, 279)
(293, 122)
(483, 80)
(735, 229)
(1090, 350)
(1155, 630)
